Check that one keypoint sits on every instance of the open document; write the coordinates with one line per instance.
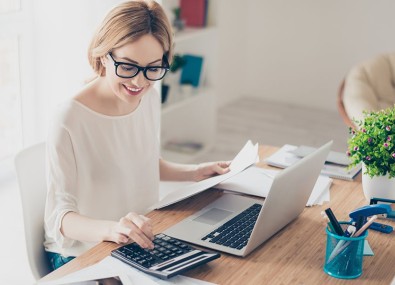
(246, 157)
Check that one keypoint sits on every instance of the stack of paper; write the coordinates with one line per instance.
(257, 181)
(336, 165)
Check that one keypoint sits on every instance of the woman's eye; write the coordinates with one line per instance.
(128, 68)
(153, 69)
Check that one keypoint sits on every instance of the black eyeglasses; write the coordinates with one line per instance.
(129, 70)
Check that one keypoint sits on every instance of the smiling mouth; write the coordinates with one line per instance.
(133, 90)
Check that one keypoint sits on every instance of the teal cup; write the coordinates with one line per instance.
(344, 255)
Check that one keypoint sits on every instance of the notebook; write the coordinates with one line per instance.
(237, 224)
(336, 165)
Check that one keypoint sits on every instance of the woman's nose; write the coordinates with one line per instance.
(139, 80)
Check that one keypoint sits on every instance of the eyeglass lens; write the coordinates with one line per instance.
(152, 73)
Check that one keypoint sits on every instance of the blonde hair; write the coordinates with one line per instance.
(126, 23)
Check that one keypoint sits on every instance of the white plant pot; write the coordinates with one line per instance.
(377, 186)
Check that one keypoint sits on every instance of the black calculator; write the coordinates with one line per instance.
(170, 256)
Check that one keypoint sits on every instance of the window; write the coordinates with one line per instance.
(8, 6)
(12, 22)
(10, 111)
(31, 33)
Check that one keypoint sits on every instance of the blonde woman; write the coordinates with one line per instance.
(103, 151)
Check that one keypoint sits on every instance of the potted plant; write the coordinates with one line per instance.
(172, 79)
(373, 144)
(178, 23)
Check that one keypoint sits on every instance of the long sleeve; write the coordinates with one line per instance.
(62, 186)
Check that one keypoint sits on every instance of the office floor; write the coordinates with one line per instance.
(248, 118)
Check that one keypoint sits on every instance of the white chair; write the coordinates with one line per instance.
(30, 170)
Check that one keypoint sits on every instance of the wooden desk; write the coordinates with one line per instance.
(295, 255)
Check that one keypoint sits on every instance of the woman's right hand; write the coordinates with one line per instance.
(133, 227)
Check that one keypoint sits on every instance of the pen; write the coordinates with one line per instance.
(365, 226)
(358, 233)
(339, 247)
(359, 223)
(336, 226)
(328, 221)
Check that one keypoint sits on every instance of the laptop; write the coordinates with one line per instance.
(237, 224)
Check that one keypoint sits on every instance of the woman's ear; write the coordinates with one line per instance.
(103, 61)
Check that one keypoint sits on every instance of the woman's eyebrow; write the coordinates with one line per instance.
(135, 62)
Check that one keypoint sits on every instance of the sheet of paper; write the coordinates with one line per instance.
(100, 270)
(257, 181)
(324, 197)
(246, 157)
(320, 192)
(167, 187)
(284, 158)
(333, 156)
(111, 266)
(254, 181)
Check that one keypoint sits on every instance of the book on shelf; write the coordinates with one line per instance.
(194, 12)
(191, 70)
(336, 165)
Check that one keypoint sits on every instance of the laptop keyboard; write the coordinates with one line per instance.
(168, 258)
(236, 232)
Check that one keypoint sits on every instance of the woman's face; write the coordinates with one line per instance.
(146, 51)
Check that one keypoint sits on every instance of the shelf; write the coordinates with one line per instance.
(195, 95)
(181, 157)
(192, 33)
(192, 119)
(190, 114)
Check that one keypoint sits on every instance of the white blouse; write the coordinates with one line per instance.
(100, 166)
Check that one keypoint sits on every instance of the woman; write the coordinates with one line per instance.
(103, 152)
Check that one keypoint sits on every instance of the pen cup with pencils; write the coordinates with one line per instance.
(344, 255)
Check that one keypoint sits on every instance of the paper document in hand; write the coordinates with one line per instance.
(246, 157)
(257, 181)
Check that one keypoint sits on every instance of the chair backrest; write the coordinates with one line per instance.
(30, 170)
(369, 86)
(340, 106)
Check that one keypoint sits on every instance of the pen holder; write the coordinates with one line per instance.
(344, 255)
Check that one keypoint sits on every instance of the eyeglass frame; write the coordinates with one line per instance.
(166, 67)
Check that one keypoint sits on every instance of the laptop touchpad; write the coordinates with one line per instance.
(213, 216)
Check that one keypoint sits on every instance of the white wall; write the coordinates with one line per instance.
(62, 31)
(232, 23)
(298, 51)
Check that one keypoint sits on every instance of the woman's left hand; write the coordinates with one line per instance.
(208, 169)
